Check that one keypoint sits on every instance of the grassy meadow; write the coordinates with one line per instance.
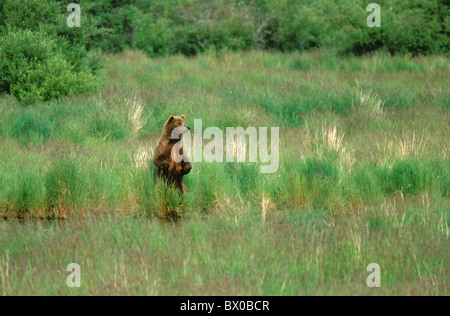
(364, 177)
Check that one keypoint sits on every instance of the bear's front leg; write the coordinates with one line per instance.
(161, 162)
(173, 166)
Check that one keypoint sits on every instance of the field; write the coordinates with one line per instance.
(364, 177)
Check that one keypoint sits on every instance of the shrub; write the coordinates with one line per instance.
(116, 21)
(40, 59)
(154, 38)
(32, 68)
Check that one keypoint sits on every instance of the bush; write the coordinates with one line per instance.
(154, 38)
(190, 27)
(116, 21)
(32, 68)
(40, 59)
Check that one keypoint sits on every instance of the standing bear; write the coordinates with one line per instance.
(169, 157)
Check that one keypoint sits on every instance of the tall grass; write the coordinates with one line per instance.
(354, 131)
(364, 177)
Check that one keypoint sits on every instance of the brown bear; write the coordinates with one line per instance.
(170, 146)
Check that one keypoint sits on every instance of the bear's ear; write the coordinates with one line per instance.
(170, 118)
(182, 116)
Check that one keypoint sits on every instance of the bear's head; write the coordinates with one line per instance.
(175, 127)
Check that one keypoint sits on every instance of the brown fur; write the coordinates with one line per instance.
(169, 170)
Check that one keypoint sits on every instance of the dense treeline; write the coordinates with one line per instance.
(188, 27)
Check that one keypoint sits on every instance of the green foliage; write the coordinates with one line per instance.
(154, 38)
(40, 57)
(116, 19)
(190, 27)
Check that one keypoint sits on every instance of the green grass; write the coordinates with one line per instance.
(300, 252)
(363, 162)
(370, 121)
